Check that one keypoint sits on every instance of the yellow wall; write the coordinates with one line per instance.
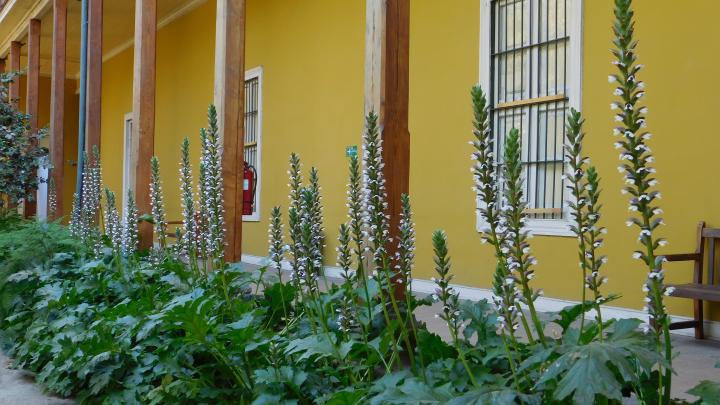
(185, 59)
(312, 56)
(681, 66)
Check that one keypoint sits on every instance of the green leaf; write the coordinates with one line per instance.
(348, 396)
(314, 346)
(433, 348)
(708, 391)
(584, 372)
(495, 396)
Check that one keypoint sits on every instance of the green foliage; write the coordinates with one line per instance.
(20, 152)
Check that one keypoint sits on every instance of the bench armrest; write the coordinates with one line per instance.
(683, 257)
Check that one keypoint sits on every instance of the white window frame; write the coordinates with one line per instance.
(549, 227)
(256, 72)
(129, 160)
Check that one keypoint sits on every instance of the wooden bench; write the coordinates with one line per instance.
(697, 290)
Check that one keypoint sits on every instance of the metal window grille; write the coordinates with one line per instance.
(529, 92)
(252, 108)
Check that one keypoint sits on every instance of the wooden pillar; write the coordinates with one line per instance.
(230, 103)
(57, 102)
(94, 84)
(143, 136)
(33, 90)
(387, 57)
(2, 65)
(15, 48)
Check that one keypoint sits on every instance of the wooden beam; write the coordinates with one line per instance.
(57, 102)
(33, 74)
(33, 90)
(387, 92)
(143, 136)
(94, 84)
(14, 92)
(230, 103)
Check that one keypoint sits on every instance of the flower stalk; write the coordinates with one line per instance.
(449, 297)
(640, 179)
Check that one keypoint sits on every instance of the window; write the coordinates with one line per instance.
(253, 137)
(531, 65)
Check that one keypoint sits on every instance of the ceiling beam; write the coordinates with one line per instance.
(21, 28)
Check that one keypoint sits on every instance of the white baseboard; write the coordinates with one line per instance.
(543, 304)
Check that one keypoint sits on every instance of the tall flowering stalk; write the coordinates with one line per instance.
(310, 258)
(75, 216)
(276, 251)
(356, 224)
(357, 234)
(346, 318)
(295, 184)
(505, 291)
(405, 259)
(157, 203)
(377, 223)
(212, 197)
(113, 226)
(449, 297)
(201, 224)
(585, 209)
(52, 198)
(640, 179)
(519, 259)
(187, 197)
(130, 226)
(84, 219)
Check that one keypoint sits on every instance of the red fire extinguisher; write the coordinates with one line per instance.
(249, 188)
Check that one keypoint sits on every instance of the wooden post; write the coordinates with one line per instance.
(387, 57)
(2, 65)
(57, 102)
(230, 104)
(15, 47)
(143, 136)
(94, 84)
(33, 90)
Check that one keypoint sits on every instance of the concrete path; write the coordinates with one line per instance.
(17, 387)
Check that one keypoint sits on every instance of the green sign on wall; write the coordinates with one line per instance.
(351, 151)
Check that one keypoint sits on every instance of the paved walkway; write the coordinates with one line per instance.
(18, 387)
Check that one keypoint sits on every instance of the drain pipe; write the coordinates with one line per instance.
(83, 99)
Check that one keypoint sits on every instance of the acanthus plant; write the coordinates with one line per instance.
(52, 199)
(112, 223)
(641, 182)
(187, 197)
(503, 209)
(86, 206)
(377, 229)
(211, 197)
(157, 203)
(584, 188)
(130, 238)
